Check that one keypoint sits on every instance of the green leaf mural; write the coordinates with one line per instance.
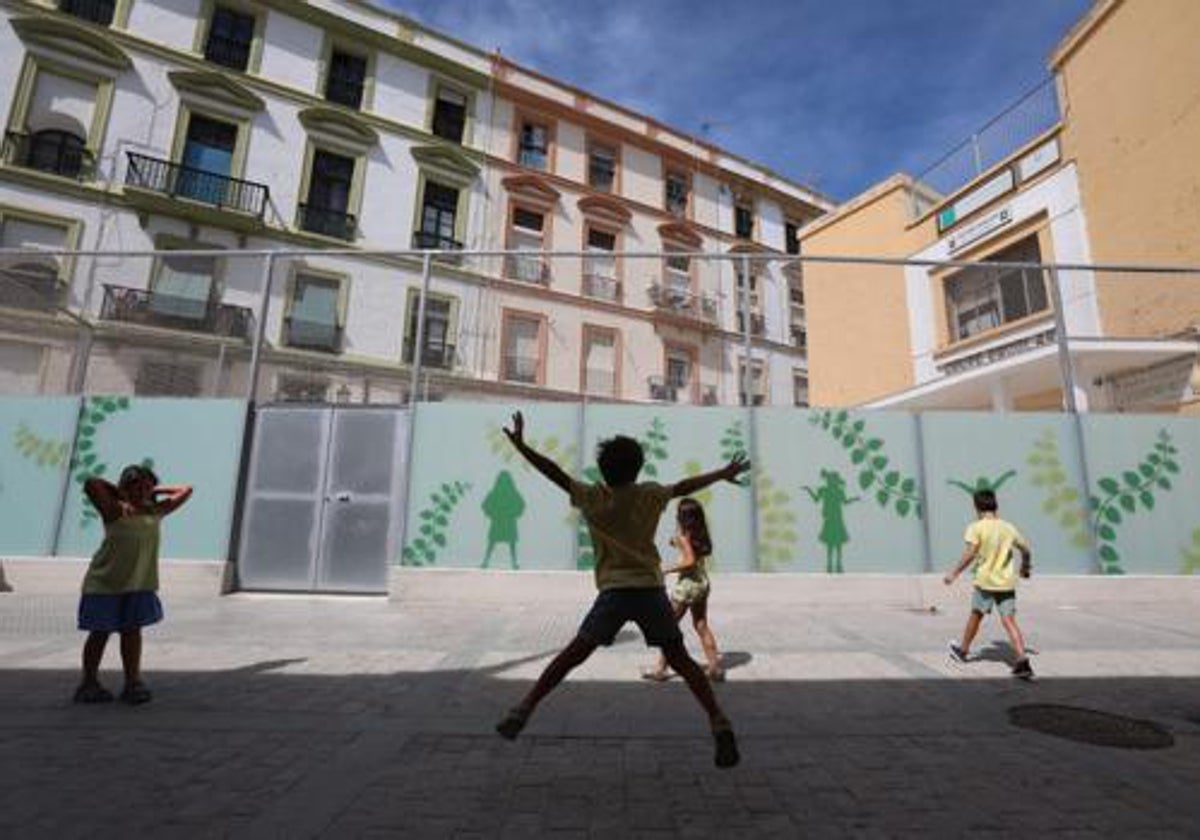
(89, 461)
(1127, 494)
(733, 444)
(831, 496)
(1191, 556)
(777, 536)
(876, 474)
(431, 525)
(46, 452)
(551, 446)
(982, 483)
(1060, 499)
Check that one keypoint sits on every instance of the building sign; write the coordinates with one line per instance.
(978, 230)
(998, 352)
(1157, 386)
(1038, 160)
(985, 193)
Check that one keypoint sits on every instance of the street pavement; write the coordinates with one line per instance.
(302, 716)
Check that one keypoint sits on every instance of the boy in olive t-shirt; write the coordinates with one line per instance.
(990, 543)
(622, 517)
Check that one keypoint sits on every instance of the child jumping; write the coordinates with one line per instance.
(121, 584)
(622, 517)
(692, 587)
(990, 543)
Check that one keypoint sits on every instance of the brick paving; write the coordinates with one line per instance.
(309, 717)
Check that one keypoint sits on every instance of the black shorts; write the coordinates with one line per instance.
(649, 608)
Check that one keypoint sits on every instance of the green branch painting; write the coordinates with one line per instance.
(88, 461)
(46, 452)
(1125, 495)
(1060, 499)
(434, 519)
(1191, 556)
(982, 483)
(551, 446)
(889, 487)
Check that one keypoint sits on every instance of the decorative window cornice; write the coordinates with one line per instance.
(446, 164)
(215, 88)
(680, 233)
(532, 189)
(605, 209)
(72, 42)
(338, 128)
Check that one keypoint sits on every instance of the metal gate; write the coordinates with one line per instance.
(323, 502)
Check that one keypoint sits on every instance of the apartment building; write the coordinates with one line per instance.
(1103, 174)
(226, 130)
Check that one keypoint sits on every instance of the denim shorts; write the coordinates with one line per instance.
(983, 600)
(649, 608)
(119, 613)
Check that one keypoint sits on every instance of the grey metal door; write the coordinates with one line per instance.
(322, 503)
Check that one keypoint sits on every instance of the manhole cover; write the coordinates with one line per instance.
(1088, 726)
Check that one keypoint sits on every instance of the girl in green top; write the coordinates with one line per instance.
(119, 589)
(691, 588)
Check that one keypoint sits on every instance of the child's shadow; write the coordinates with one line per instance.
(1000, 652)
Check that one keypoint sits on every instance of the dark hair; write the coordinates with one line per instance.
(137, 472)
(985, 501)
(620, 460)
(690, 516)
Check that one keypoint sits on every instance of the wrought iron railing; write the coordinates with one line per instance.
(228, 52)
(305, 334)
(601, 286)
(434, 242)
(96, 11)
(327, 221)
(155, 309)
(57, 152)
(31, 285)
(440, 356)
(673, 300)
(179, 181)
(529, 269)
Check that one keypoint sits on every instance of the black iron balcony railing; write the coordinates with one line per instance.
(305, 334)
(57, 152)
(440, 356)
(758, 324)
(156, 309)
(228, 52)
(34, 286)
(344, 91)
(602, 287)
(179, 181)
(426, 241)
(529, 269)
(673, 300)
(665, 390)
(96, 11)
(326, 221)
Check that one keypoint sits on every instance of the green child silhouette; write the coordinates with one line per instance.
(831, 496)
(503, 506)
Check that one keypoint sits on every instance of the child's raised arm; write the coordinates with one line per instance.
(696, 483)
(175, 498)
(104, 497)
(537, 460)
(967, 556)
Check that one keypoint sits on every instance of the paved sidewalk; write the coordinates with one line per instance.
(298, 717)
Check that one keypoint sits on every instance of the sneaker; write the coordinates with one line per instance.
(958, 654)
(1022, 670)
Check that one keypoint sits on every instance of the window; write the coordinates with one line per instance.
(791, 238)
(439, 212)
(346, 79)
(602, 167)
(207, 160)
(96, 11)
(679, 372)
(797, 318)
(184, 287)
(32, 282)
(449, 114)
(600, 265)
(437, 343)
(60, 112)
(599, 362)
(534, 146)
(522, 349)
(743, 220)
(313, 319)
(981, 298)
(305, 389)
(757, 383)
(757, 324)
(677, 192)
(329, 186)
(527, 235)
(800, 388)
(230, 37)
(166, 378)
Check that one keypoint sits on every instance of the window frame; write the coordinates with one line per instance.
(331, 44)
(204, 26)
(797, 374)
(951, 319)
(689, 203)
(340, 278)
(590, 145)
(759, 364)
(120, 18)
(510, 230)
(693, 354)
(412, 304)
(744, 203)
(460, 211)
(183, 119)
(588, 330)
(520, 118)
(436, 85)
(507, 315)
(590, 226)
(357, 180)
(72, 227)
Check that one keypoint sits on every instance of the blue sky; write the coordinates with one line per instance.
(837, 94)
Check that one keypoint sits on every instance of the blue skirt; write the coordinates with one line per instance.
(119, 613)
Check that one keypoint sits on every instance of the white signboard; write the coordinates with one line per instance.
(984, 194)
(978, 230)
(1038, 160)
(1157, 386)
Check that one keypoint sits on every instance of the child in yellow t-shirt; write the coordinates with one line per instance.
(990, 543)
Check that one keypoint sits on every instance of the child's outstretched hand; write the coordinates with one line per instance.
(736, 467)
(949, 578)
(516, 434)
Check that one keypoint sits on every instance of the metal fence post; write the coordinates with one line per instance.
(926, 524)
(268, 274)
(419, 338)
(748, 402)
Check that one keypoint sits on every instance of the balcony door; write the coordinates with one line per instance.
(207, 160)
(184, 288)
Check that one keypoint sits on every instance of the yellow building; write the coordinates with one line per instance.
(1108, 177)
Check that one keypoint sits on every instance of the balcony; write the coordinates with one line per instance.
(682, 303)
(33, 286)
(527, 269)
(758, 324)
(600, 382)
(233, 53)
(439, 356)
(523, 369)
(667, 390)
(423, 241)
(94, 11)
(327, 221)
(151, 309)
(304, 334)
(602, 287)
(56, 152)
(799, 337)
(175, 180)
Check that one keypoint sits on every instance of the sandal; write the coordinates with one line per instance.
(655, 675)
(135, 694)
(511, 724)
(727, 749)
(716, 675)
(94, 693)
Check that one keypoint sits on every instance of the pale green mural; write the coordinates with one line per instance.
(432, 523)
(1190, 556)
(877, 475)
(503, 506)
(831, 497)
